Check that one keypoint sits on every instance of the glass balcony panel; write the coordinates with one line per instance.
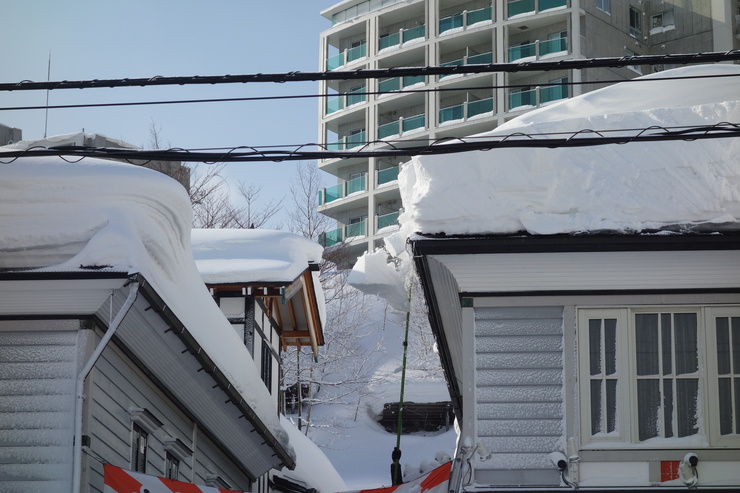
(356, 185)
(388, 41)
(388, 129)
(479, 15)
(517, 7)
(414, 33)
(552, 4)
(452, 113)
(335, 62)
(353, 98)
(485, 58)
(451, 22)
(553, 46)
(413, 122)
(553, 93)
(334, 104)
(335, 146)
(387, 220)
(480, 107)
(333, 193)
(522, 51)
(355, 140)
(387, 175)
(356, 53)
(523, 98)
(450, 64)
(389, 85)
(331, 238)
(412, 79)
(356, 229)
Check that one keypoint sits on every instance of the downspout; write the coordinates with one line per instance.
(79, 390)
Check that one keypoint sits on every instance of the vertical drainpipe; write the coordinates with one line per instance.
(79, 390)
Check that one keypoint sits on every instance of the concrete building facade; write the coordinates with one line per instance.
(410, 111)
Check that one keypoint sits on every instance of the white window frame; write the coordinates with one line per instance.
(636, 30)
(604, 6)
(626, 433)
(667, 21)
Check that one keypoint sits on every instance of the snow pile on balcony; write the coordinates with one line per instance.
(625, 188)
(57, 216)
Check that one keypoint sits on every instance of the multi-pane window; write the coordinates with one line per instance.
(635, 23)
(604, 5)
(171, 466)
(663, 20)
(667, 374)
(266, 365)
(138, 449)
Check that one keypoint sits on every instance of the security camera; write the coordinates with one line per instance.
(559, 460)
(687, 468)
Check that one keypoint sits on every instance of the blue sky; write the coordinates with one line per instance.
(103, 39)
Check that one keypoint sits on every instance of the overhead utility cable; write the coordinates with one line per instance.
(625, 61)
(581, 138)
(355, 93)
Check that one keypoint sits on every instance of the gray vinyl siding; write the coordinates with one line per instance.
(37, 382)
(114, 387)
(519, 389)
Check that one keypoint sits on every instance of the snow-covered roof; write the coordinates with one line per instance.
(623, 188)
(252, 255)
(60, 216)
(71, 139)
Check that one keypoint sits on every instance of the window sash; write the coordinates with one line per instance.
(138, 449)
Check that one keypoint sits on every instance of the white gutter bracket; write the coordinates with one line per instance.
(79, 390)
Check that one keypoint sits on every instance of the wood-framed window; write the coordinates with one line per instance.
(139, 440)
(663, 375)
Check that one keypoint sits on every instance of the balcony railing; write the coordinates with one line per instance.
(336, 192)
(482, 58)
(401, 125)
(537, 96)
(402, 36)
(385, 220)
(516, 7)
(466, 110)
(356, 229)
(465, 19)
(347, 142)
(346, 57)
(345, 100)
(338, 235)
(398, 83)
(538, 49)
(387, 175)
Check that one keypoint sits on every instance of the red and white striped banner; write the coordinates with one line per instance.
(119, 480)
(437, 481)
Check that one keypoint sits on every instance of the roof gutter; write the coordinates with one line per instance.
(79, 391)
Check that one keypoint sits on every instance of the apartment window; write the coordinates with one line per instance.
(634, 68)
(643, 375)
(138, 448)
(662, 22)
(171, 466)
(604, 5)
(635, 23)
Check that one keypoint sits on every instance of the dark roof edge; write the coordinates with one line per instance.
(591, 242)
(35, 275)
(209, 366)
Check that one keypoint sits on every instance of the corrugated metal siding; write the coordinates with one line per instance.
(583, 271)
(37, 375)
(519, 386)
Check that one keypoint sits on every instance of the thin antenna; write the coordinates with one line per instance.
(48, 78)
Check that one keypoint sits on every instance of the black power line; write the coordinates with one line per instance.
(625, 61)
(354, 93)
(581, 138)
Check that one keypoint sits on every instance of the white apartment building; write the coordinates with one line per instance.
(411, 111)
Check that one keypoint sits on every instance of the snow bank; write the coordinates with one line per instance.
(62, 216)
(252, 255)
(626, 188)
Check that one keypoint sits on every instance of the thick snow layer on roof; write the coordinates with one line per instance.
(61, 216)
(252, 255)
(626, 188)
(312, 466)
(73, 139)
